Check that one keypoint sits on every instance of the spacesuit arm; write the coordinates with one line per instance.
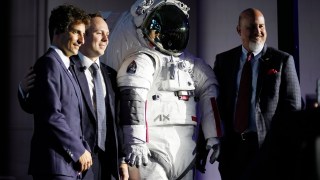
(134, 79)
(134, 126)
(207, 90)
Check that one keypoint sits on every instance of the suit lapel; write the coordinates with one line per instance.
(236, 64)
(83, 83)
(263, 60)
(56, 55)
(72, 79)
(234, 67)
(109, 94)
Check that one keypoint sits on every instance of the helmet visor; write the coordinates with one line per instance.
(167, 27)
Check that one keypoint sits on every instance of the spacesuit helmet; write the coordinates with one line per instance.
(167, 28)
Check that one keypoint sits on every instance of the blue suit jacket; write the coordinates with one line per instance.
(56, 143)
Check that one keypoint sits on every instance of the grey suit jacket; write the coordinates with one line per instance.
(56, 143)
(278, 88)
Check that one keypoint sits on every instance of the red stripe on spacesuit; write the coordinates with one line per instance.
(145, 117)
(216, 116)
(194, 118)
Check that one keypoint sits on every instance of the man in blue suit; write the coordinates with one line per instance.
(105, 161)
(274, 89)
(58, 151)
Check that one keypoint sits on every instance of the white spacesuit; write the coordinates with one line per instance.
(165, 91)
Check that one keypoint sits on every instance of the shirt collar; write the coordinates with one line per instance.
(65, 59)
(256, 54)
(87, 62)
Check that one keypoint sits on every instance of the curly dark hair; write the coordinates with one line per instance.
(64, 16)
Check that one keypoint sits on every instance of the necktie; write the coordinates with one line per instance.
(99, 103)
(244, 97)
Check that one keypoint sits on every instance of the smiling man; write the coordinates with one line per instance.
(273, 90)
(58, 151)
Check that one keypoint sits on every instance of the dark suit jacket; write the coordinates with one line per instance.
(56, 143)
(276, 92)
(89, 118)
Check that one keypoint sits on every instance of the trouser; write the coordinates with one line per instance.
(98, 170)
(236, 156)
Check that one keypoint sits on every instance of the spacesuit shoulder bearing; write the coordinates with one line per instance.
(137, 70)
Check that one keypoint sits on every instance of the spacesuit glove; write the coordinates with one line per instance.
(213, 143)
(137, 154)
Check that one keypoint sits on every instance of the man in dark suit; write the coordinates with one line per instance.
(105, 159)
(105, 162)
(58, 151)
(274, 89)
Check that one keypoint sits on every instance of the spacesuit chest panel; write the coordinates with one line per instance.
(171, 97)
(175, 74)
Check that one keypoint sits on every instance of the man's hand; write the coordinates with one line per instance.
(134, 173)
(124, 172)
(28, 81)
(85, 161)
